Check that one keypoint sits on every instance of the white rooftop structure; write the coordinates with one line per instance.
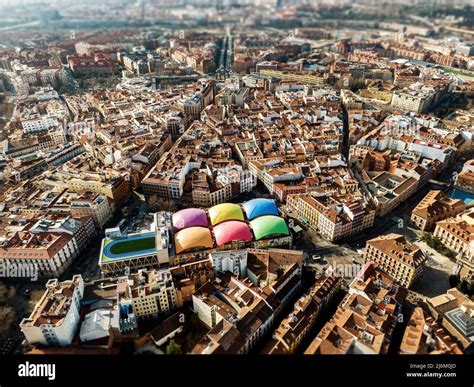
(96, 325)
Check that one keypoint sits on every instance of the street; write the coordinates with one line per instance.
(438, 268)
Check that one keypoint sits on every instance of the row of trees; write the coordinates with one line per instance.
(462, 285)
(438, 245)
(157, 203)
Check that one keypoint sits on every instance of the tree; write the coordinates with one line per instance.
(153, 202)
(160, 204)
(470, 289)
(463, 286)
(454, 280)
(7, 313)
(192, 323)
(357, 85)
(7, 319)
(6, 294)
(438, 245)
(36, 295)
(173, 348)
(168, 205)
(306, 240)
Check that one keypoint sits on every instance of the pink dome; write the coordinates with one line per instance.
(190, 217)
(232, 230)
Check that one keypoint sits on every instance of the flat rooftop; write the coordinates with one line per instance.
(126, 247)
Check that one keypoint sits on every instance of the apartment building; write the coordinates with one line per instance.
(433, 150)
(289, 335)
(365, 319)
(266, 266)
(191, 276)
(94, 205)
(233, 261)
(210, 309)
(247, 151)
(425, 336)
(419, 96)
(114, 187)
(435, 206)
(42, 254)
(389, 190)
(333, 219)
(305, 77)
(415, 102)
(240, 317)
(55, 318)
(400, 259)
(63, 154)
(455, 312)
(153, 293)
(465, 181)
(39, 123)
(81, 228)
(97, 63)
(240, 313)
(198, 170)
(457, 234)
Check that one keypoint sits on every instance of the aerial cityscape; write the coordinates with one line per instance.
(262, 177)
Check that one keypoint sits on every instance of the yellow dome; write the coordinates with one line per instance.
(225, 211)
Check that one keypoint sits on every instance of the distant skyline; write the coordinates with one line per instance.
(408, 2)
(237, 177)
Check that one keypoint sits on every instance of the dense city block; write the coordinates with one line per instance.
(237, 177)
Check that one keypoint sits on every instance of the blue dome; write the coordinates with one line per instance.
(259, 207)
